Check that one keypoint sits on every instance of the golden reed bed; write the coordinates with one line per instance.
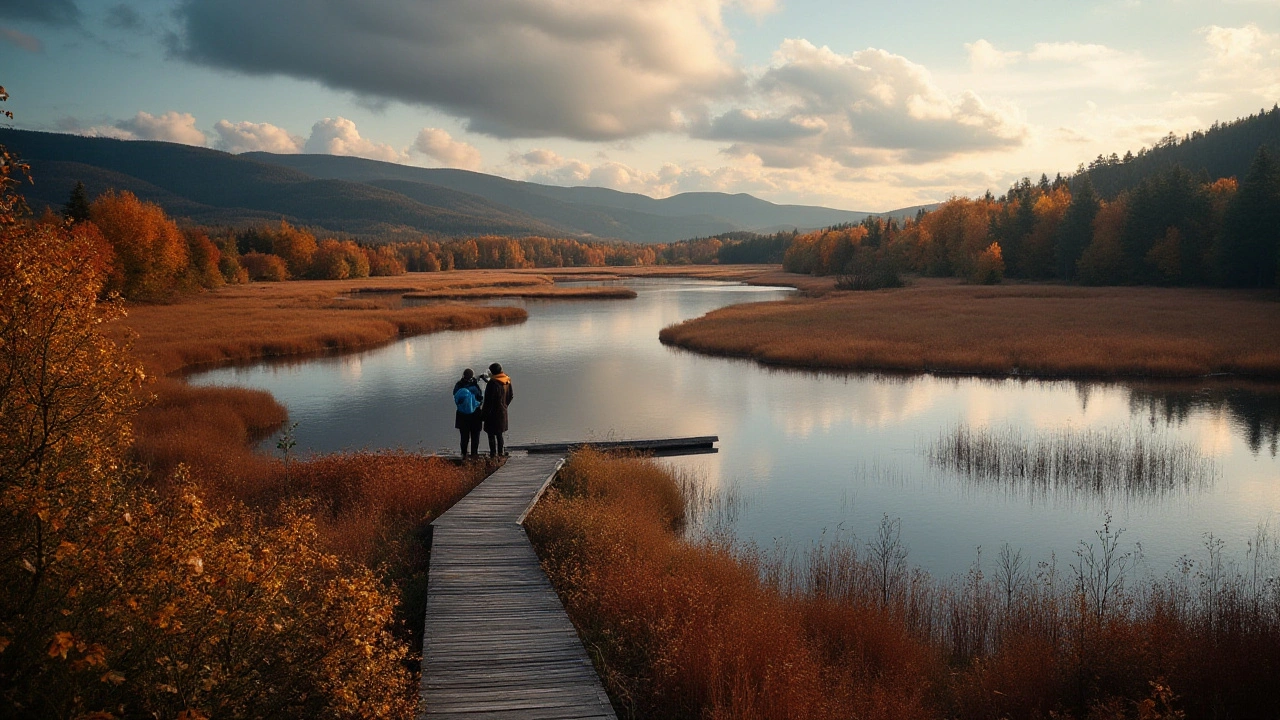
(1038, 330)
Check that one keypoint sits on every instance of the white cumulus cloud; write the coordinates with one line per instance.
(250, 136)
(868, 107)
(172, 126)
(339, 136)
(440, 146)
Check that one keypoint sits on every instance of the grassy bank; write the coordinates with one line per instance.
(685, 629)
(1039, 330)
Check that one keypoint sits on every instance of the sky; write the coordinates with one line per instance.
(855, 105)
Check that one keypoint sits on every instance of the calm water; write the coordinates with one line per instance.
(810, 454)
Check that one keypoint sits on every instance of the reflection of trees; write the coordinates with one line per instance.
(1254, 408)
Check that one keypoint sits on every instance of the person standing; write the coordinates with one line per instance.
(497, 396)
(469, 418)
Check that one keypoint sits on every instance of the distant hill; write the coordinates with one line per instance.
(598, 211)
(377, 199)
(1224, 150)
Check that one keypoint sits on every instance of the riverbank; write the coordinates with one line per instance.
(695, 628)
(1007, 330)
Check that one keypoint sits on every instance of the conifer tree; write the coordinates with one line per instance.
(77, 207)
(1077, 226)
(1251, 230)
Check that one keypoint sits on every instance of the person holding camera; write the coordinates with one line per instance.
(497, 396)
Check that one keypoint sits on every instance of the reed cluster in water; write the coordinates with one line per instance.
(683, 627)
(1098, 461)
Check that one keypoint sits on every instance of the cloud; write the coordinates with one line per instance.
(339, 136)
(244, 137)
(440, 146)
(984, 56)
(869, 107)
(1245, 57)
(22, 40)
(513, 68)
(53, 12)
(172, 126)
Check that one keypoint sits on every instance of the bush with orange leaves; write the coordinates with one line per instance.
(116, 600)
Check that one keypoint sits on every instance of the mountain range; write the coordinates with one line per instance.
(373, 199)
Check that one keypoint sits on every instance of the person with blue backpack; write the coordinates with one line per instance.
(469, 418)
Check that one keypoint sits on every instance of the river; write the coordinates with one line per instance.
(806, 455)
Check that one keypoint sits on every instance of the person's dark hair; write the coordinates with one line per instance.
(495, 368)
(468, 374)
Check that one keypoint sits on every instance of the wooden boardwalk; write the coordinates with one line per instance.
(660, 446)
(498, 643)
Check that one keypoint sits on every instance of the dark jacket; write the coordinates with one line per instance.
(461, 420)
(498, 395)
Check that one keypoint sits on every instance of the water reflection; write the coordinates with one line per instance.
(810, 451)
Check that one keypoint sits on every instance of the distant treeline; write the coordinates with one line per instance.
(1172, 228)
(147, 256)
(1140, 219)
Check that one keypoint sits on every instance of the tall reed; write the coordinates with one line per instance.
(686, 627)
(1130, 461)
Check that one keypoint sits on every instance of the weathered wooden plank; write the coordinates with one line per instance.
(498, 643)
(653, 445)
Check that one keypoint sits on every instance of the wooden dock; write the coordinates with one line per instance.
(660, 446)
(498, 643)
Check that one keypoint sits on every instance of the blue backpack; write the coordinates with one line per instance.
(466, 400)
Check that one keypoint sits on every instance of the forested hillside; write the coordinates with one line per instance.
(1224, 150)
(381, 201)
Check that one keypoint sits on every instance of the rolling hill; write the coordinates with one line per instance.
(376, 199)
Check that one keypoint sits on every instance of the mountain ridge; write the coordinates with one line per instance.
(378, 200)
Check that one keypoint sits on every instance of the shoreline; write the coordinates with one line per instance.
(1042, 332)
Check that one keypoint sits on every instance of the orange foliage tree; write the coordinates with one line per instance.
(118, 601)
(295, 246)
(150, 252)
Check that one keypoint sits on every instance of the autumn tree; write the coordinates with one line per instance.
(295, 246)
(150, 252)
(119, 601)
(1103, 261)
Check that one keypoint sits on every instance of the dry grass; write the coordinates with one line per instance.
(683, 630)
(691, 629)
(241, 323)
(1035, 330)
(369, 508)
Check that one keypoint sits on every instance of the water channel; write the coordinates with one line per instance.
(809, 455)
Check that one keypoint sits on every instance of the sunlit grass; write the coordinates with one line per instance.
(684, 626)
(1036, 330)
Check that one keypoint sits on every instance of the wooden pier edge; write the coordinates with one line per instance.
(657, 445)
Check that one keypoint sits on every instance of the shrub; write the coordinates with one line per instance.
(870, 269)
(264, 267)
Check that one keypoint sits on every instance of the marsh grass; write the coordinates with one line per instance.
(1024, 330)
(684, 626)
(1129, 461)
